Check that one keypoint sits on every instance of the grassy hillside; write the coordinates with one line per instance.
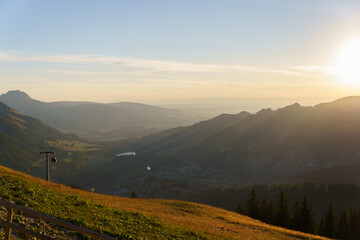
(22, 138)
(126, 218)
(28, 132)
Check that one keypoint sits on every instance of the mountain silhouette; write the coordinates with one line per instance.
(98, 120)
(270, 146)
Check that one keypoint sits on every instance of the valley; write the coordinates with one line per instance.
(210, 119)
(271, 146)
(224, 155)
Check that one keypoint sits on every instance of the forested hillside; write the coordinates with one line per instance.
(271, 146)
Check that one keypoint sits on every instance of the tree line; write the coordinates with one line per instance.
(343, 225)
(341, 195)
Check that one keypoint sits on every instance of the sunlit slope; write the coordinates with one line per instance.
(21, 138)
(135, 218)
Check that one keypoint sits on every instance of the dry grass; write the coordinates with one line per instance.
(214, 222)
(18, 122)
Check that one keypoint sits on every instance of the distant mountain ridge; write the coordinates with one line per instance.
(98, 120)
(271, 146)
(285, 128)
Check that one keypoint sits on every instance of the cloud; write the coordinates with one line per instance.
(83, 73)
(316, 69)
(148, 64)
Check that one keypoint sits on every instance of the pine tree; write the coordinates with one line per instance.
(307, 223)
(321, 229)
(133, 194)
(282, 211)
(342, 227)
(295, 216)
(329, 222)
(270, 212)
(354, 223)
(252, 206)
(263, 211)
(240, 209)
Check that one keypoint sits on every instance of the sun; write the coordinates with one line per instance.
(348, 64)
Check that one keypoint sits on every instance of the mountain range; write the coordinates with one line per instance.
(293, 143)
(271, 146)
(99, 120)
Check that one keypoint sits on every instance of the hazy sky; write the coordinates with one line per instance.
(164, 49)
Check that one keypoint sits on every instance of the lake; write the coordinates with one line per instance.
(126, 154)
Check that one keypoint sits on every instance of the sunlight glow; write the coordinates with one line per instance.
(348, 64)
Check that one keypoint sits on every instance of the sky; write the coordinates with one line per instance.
(133, 50)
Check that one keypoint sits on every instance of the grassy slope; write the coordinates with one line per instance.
(136, 218)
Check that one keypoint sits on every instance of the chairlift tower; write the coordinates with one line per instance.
(53, 159)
